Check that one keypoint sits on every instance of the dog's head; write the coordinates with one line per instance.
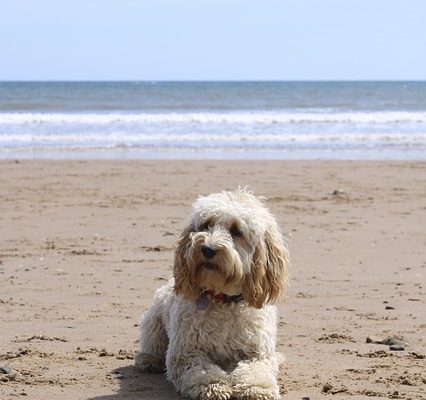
(232, 245)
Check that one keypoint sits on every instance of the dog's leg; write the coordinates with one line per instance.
(256, 379)
(153, 341)
(197, 377)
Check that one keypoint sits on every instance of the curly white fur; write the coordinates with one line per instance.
(213, 326)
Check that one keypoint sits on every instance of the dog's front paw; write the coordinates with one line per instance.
(257, 393)
(215, 391)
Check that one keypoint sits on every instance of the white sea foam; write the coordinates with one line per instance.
(269, 133)
(212, 140)
(279, 117)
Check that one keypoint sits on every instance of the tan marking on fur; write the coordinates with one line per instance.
(268, 275)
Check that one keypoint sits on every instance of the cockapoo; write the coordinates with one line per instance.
(212, 328)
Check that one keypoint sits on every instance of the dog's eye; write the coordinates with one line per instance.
(235, 232)
(205, 226)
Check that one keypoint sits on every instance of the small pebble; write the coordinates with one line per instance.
(389, 341)
(326, 388)
(389, 308)
(5, 370)
(397, 347)
(339, 193)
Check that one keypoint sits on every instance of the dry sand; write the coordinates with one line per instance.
(84, 245)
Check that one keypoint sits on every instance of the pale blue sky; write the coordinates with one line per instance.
(212, 39)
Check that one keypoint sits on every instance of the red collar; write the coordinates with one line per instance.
(205, 297)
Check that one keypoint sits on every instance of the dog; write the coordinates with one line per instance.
(212, 328)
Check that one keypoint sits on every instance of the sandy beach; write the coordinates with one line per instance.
(84, 245)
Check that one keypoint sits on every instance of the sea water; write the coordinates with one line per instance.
(216, 120)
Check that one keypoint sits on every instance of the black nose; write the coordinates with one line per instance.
(208, 252)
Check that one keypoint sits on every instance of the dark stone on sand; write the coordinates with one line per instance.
(339, 193)
(389, 308)
(389, 341)
(326, 388)
(5, 370)
(397, 347)
(394, 341)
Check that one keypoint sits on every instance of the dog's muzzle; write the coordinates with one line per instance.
(208, 252)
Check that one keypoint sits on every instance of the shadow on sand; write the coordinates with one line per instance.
(135, 385)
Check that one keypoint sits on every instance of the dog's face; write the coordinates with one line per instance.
(232, 245)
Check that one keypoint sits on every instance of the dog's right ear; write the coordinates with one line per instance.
(183, 273)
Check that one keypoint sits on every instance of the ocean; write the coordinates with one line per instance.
(213, 120)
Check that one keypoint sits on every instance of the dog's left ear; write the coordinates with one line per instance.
(268, 275)
(277, 260)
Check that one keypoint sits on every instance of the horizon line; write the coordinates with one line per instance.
(205, 80)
